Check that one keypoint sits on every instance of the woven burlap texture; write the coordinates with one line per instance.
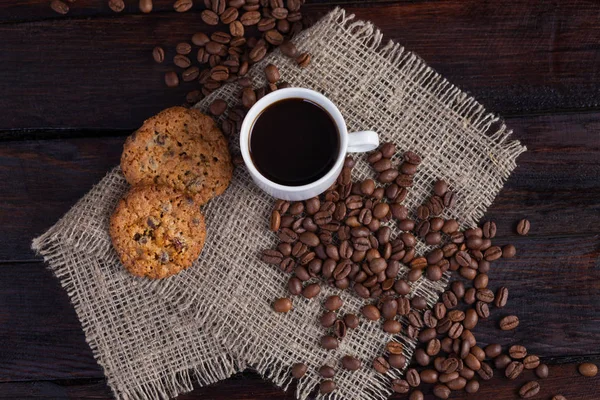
(148, 350)
(378, 87)
(228, 291)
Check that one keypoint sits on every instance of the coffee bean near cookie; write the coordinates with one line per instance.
(156, 231)
(180, 148)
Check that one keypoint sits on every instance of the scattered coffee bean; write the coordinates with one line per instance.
(327, 386)
(282, 305)
(158, 54)
(509, 251)
(381, 365)
(171, 79)
(350, 363)
(299, 370)
(513, 370)
(303, 60)
(311, 290)
(329, 342)
(400, 386)
(530, 389)
(542, 371)
(523, 227)
(509, 323)
(501, 297)
(588, 369)
(327, 372)
(182, 5)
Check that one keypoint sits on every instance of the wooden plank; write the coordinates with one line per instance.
(555, 185)
(34, 10)
(98, 73)
(563, 379)
(41, 335)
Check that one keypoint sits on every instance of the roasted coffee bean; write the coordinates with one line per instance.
(311, 290)
(472, 362)
(433, 347)
(481, 281)
(295, 286)
(468, 336)
(400, 386)
(361, 291)
(429, 320)
(456, 384)
(509, 251)
(287, 265)
(440, 188)
(450, 300)
(523, 227)
(181, 61)
(248, 97)
(309, 239)
(397, 360)
(328, 319)
(258, 53)
(329, 342)
(351, 321)
(392, 326)
(327, 386)
(482, 310)
(333, 303)
(450, 365)
(282, 305)
(415, 319)
(272, 256)
(530, 389)
(388, 176)
(444, 325)
(116, 5)
(412, 377)
(250, 18)
(501, 361)
(272, 73)
(299, 370)
(531, 361)
(501, 297)
(158, 54)
(171, 79)
(588, 369)
(463, 258)
(287, 235)
(517, 352)
(394, 347)
(421, 357)
(449, 199)
(190, 74)
(427, 334)
(389, 308)
(455, 330)
(493, 350)
(467, 273)
(441, 391)
(509, 322)
(218, 107)
(542, 371)
(209, 17)
(418, 302)
(339, 329)
(303, 60)
(559, 397)
(493, 253)
(456, 315)
(195, 96)
(439, 310)
(381, 365)
(382, 165)
(489, 229)
(485, 372)
(485, 295)
(289, 49)
(371, 312)
(327, 372)
(429, 376)
(350, 363)
(416, 395)
(513, 370)
(469, 297)
(183, 48)
(219, 73)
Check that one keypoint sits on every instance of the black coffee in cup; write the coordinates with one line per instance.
(294, 142)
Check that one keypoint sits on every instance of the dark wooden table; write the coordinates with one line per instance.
(73, 87)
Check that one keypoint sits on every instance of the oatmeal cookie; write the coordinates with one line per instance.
(156, 231)
(181, 148)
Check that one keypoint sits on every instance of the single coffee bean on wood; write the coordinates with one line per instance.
(171, 79)
(509, 322)
(158, 54)
(299, 370)
(501, 297)
(588, 369)
(542, 371)
(530, 389)
(509, 251)
(523, 227)
(517, 352)
(513, 370)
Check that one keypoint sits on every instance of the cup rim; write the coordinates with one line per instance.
(290, 93)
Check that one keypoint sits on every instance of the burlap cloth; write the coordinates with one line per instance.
(148, 334)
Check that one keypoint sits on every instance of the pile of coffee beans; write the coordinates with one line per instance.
(341, 238)
(226, 55)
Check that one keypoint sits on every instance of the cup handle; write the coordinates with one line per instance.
(363, 141)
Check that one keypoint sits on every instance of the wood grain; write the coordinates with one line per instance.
(80, 73)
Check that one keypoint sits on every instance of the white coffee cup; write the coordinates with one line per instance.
(354, 142)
